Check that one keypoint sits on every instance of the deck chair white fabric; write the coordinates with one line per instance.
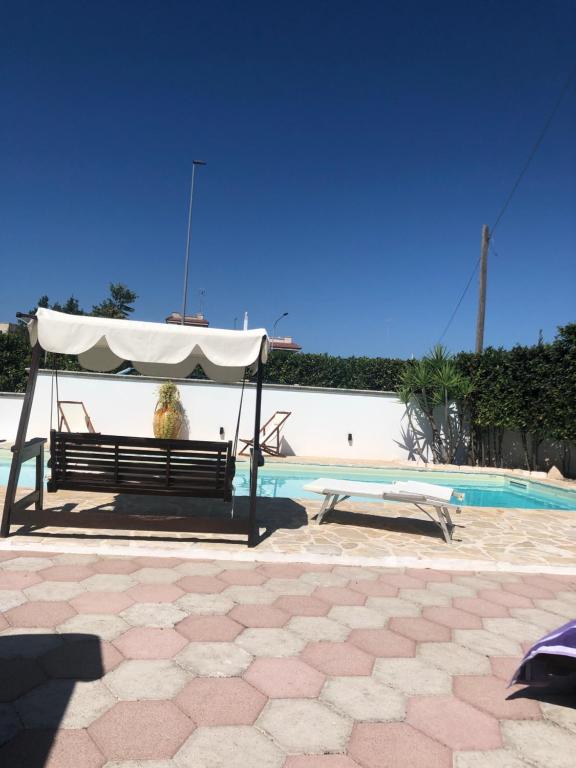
(411, 492)
(269, 435)
(73, 417)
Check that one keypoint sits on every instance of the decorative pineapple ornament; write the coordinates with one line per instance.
(168, 415)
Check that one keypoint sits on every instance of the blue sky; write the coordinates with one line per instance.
(354, 151)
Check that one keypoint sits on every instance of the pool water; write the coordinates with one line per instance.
(277, 480)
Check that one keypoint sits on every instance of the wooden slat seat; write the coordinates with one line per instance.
(141, 465)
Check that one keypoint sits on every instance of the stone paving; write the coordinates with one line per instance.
(141, 662)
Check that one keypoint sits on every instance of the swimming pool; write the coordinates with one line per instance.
(480, 489)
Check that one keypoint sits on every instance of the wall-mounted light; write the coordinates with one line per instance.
(350, 438)
(222, 433)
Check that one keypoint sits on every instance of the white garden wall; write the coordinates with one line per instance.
(319, 426)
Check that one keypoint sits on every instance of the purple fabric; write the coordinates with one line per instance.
(551, 659)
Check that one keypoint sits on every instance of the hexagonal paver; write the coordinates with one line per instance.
(386, 745)
(49, 749)
(537, 617)
(324, 579)
(209, 628)
(453, 618)
(86, 659)
(214, 659)
(487, 643)
(491, 695)
(320, 761)
(29, 643)
(529, 590)
(156, 575)
(562, 608)
(482, 608)
(158, 562)
(493, 758)
(302, 605)
(243, 577)
(146, 679)
(155, 593)
(453, 722)
(412, 676)
(153, 615)
(106, 626)
(270, 642)
(202, 584)
(258, 616)
(453, 658)
(450, 589)
(424, 597)
(109, 582)
(358, 616)
(340, 595)
(290, 587)
(561, 712)
(382, 642)
(314, 628)
(372, 588)
(287, 678)
(204, 604)
(542, 743)
(141, 730)
(402, 581)
(505, 598)
(54, 590)
(27, 564)
(338, 658)
(66, 573)
(150, 643)
(199, 568)
(64, 704)
(419, 629)
(250, 595)
(101, 602)
(213, 701)
(17, 676)
(118, 565)
(388, 607)
(314, 729)
(10, 598)
(282, 570)
(230, 747)
(39, 614)
(363, 698)
(18, 580)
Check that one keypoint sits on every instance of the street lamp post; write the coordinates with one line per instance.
(194, 164)
(276, 323)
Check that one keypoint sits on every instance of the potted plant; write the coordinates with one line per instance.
(168, 414)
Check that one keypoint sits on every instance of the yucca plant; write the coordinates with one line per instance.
(168, 414)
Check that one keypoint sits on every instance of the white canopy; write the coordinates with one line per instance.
(154, 349)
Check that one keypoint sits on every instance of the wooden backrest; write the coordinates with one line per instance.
(144, 465)
(73, 416)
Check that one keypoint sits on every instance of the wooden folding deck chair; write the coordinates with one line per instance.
(73, 417)
(269, 435)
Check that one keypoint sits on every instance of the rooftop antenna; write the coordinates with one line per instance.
(185, 297)
(201, 298)
(245, 321)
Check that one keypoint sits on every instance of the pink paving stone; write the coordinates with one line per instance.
(117, 566)
(419, 629)
(483, 608)
(382, 642)
(452, 617)
(320, 761)
(372, 588)
(259, 616)
(402, 581)
(282, 570)
(491, 695)
(218, 701)
(541, 580)
(507, 599)
(141, 730)
(339, 596)
(302, 605)
(150, 643)
(428, 575)
(504, 666)
(51, 749)
(453, 722)
(3, 623)
(155, 593)
(101, 602)
(81, 660)
(396, 745)
(243, 578)
(201, 584)
(529, 590)
(338, 658)
(205, 629)
(161, 562)
(66, 573)
(18, 579)
(38, 613)
(287, 678)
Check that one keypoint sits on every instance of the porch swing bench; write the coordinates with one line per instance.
(144, 466)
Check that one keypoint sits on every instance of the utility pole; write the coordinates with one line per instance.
(187, 259)
(482, 293)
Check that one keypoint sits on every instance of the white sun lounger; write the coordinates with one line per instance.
(411, 492)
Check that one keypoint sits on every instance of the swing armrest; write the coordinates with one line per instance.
(31, 448)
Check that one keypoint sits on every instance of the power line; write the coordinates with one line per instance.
(519, 178)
